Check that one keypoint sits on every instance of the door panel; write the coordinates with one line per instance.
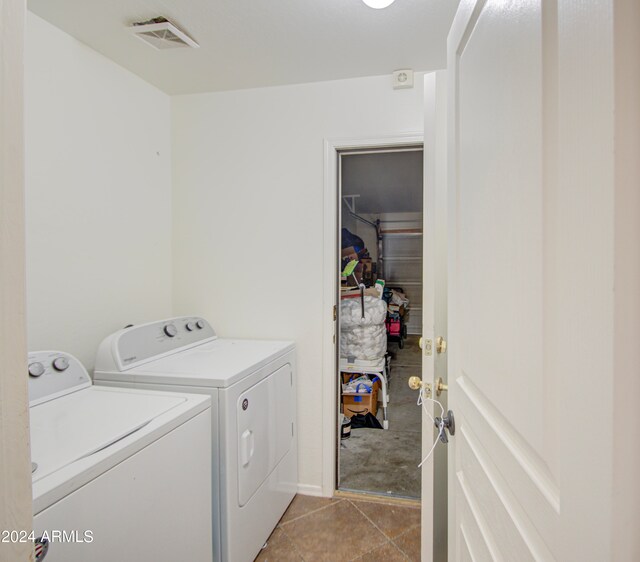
(255, 445)
(530, 280)
(500, 216)
(265, 429)
(501, 386)
(496, 503)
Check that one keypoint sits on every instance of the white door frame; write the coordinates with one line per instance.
(15, 473)
(330, 288)
(434, 311)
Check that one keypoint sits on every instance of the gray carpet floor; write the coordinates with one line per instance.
(386, 462)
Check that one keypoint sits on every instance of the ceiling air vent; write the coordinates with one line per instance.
(160, 33)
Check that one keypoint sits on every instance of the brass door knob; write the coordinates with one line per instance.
(415, 383)
(440, 386)
(441, 344)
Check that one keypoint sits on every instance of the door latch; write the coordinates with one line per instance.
(415, 383)
(426, 345)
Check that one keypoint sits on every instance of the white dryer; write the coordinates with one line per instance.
(118, 474)
(252, 385)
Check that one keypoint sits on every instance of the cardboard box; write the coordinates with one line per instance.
(360, 403)
(367, 271)
(350, 253)
(347, 376)
(352, 293)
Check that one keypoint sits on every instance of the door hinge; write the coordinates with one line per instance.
(335, 312)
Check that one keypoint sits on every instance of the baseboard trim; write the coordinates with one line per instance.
(310, 490)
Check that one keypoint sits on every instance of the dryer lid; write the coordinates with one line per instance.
(78, 425)
(218, 363)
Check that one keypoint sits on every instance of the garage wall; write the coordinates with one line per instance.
(98, 195)
(248, 219)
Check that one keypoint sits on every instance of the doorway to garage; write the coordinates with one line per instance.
(380, 320)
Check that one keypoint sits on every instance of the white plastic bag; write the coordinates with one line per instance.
(364, 342)
(361, 384)
(375, 312)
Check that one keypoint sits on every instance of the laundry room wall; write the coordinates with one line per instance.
(98, 195)
(248, 214)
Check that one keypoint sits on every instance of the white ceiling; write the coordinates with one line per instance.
(387, 182)
(253, 43)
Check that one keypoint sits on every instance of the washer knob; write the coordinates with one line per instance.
(190, 326)
(36, 369)
(60, 364)
(200, 324)
(170, 330)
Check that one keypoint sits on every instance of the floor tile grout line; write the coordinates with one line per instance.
(386, 539)
(293, 544)
(389, 539)
(406, 556)
(369, 519)
(384, 536)
(402, 535)
(400, 550)
(407, 531)
(383, 501)
(333, 502)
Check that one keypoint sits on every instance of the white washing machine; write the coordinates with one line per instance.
(118, 474)
(252, 385)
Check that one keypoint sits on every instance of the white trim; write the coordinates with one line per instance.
(15, 469)
(310, 490)
(625, 381)
(330, 289)
(357, 152)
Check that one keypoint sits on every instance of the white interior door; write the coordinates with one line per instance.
(530, 280)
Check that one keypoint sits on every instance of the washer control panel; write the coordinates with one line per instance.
(139, 344)
(53, 374)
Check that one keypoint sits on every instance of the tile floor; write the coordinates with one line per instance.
(340, 530)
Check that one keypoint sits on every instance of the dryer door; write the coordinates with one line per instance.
(265, 430)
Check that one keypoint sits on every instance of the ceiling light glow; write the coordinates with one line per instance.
(378, 4)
